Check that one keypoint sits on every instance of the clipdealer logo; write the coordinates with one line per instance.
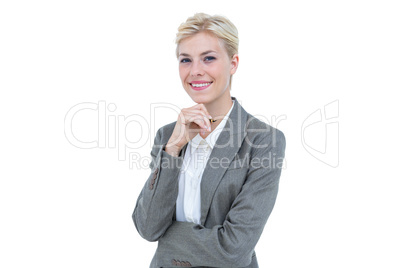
(319, 131)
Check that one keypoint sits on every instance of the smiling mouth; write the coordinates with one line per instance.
(200, 85)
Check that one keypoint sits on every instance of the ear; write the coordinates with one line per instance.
(234, 64)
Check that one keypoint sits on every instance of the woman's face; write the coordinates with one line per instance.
(205, 67)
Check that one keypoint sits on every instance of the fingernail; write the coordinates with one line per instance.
(209, 128)
(210, 117)
(205, 126)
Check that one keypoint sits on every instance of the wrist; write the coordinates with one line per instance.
(172, 149)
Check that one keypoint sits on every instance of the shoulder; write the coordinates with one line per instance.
(263, 135)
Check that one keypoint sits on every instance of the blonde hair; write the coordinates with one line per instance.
(217, 25)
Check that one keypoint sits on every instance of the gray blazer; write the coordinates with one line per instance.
(238, 192)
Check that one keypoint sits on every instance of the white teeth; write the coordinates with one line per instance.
(201, 85)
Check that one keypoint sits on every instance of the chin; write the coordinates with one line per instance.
(201, 98)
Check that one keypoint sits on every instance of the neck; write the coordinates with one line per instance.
(219, 108)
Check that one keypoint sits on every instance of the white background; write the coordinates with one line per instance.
(64, 206)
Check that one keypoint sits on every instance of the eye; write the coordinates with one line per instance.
(209, 58)
(185, 60)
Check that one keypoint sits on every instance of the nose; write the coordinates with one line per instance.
(196, 69)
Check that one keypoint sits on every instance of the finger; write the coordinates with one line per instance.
(201, 114)
(198, 119)
(198, 129)
(202, 107)
(207, 115)
(187, 114)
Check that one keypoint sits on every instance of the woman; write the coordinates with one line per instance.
(215, 171)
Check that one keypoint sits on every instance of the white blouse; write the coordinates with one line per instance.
(188, 203)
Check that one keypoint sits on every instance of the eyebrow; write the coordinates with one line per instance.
(202, 54)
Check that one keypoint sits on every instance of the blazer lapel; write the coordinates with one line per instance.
(227, 145)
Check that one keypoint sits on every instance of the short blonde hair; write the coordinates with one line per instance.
(217, 25)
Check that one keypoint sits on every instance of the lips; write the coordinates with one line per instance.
(200, 85)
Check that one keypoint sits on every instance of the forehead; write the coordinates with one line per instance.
(200, 42)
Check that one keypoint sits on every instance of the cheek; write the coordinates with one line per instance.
(183, 72)
(219, 71)
(220, 75)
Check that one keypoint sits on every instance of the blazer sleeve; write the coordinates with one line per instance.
(155, 207)
(232, 243)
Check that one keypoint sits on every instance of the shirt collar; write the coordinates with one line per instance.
(212, 137)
